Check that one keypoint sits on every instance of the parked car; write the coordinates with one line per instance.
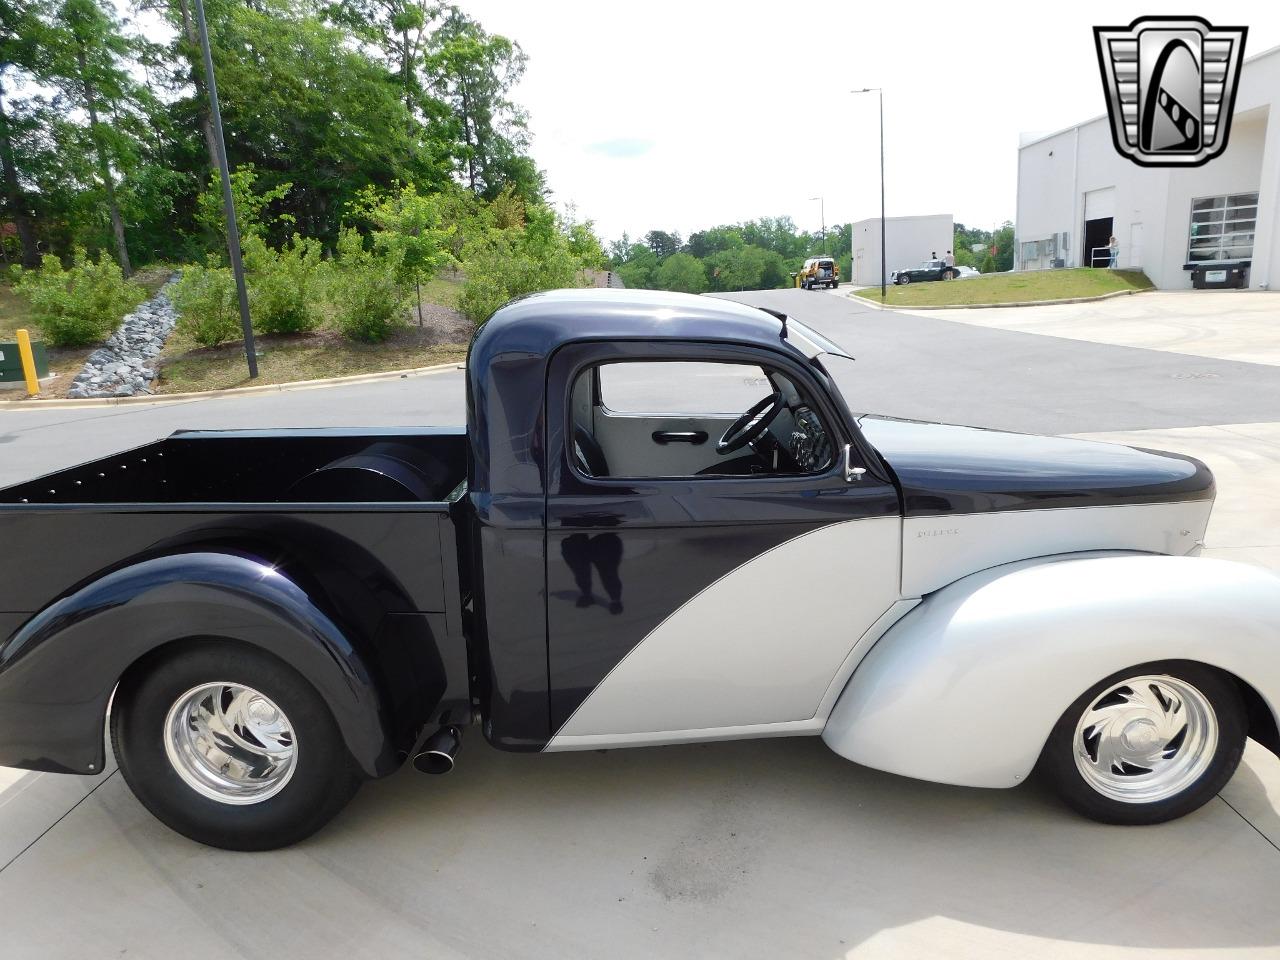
(663, 522)
(929, 270)
(819, 272)
(967, 273)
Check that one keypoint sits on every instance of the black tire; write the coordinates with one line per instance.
(1058, 765)
(323, 780)
(904, 280)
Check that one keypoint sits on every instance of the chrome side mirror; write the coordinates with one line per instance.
(852, 474)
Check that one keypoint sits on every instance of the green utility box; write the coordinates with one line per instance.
(11, 362)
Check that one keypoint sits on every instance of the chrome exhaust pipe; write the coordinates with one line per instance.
(438, 751)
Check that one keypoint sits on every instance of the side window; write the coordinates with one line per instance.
(680, 419)
(680, 387)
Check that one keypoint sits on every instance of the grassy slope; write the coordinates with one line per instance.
(1013, 287)
(283, 359)
(186, 366)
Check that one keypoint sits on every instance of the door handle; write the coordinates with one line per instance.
(694, 437)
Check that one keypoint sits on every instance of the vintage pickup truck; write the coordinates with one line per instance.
(663, 522)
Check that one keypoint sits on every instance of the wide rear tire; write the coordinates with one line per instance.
(1148, 744)
(231, 747)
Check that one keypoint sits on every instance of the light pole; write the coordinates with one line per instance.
(884, 272)
(822, 213)
(228, 204)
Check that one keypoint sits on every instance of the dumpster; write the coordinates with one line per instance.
(11, 363)
(1219, 276)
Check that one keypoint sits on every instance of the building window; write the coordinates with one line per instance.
(1222, 228)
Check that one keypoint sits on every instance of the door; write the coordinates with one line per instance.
(689, 590)
(1099, 214)
(1097, 238)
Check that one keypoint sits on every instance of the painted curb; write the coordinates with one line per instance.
(68, 404)
(991, 306)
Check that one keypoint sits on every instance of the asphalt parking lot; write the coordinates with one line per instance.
(750, 849)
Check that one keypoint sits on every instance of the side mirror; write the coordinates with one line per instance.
(852, 474)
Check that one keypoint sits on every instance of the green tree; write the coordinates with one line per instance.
(253, 218)
(88, 60)
(472, 72)
(22, 36)
(638, 268)
(748, 268)
(680, 271)
(704, 243)
(662, 243)
(411, 227)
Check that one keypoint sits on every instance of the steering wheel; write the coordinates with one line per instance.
(751, 424)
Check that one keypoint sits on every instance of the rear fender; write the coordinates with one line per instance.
(58, 671)
(966, 688)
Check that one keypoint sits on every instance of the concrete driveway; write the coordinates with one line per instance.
(1226, 324)
(754, 849)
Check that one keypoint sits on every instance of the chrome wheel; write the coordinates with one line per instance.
(230, 743)
(1146, 739)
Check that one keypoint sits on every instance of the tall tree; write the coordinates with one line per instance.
(188, 46)
(662, 243)
(398, 29)
(89, 64)
(20, 42)
(472, 72)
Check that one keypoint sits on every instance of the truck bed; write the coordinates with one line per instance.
(265, 467)
(375, 506)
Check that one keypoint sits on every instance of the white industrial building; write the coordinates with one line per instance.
(1075, 192)
(909, 241)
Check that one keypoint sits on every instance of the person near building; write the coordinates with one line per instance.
(951, 259)
(1114, 247)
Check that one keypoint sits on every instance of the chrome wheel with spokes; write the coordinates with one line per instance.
(1148, 744)
(1146, 739)
(230, 743)
(230, 746)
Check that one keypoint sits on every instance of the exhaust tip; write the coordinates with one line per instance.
(438, 752)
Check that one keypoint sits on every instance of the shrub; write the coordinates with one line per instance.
(82, 305)
(208, 308)
(365, 289)
(502, 264)
(283, 285)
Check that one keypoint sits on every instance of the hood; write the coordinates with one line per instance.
(945, 469)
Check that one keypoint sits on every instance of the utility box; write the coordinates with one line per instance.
(11, 363)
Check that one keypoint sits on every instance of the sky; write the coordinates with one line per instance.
(683, 115)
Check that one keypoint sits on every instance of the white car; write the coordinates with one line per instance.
(967, 273)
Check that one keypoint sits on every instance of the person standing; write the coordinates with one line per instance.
(951, 259)
(1114, 248)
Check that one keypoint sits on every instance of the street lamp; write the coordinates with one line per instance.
(822, 212)
(228, 205)
(884, 272)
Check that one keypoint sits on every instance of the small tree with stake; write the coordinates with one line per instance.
(409, 226)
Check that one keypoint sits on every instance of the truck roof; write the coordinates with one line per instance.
(541, 322)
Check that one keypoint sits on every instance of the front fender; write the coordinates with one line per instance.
(966, 688)
(58, 671)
